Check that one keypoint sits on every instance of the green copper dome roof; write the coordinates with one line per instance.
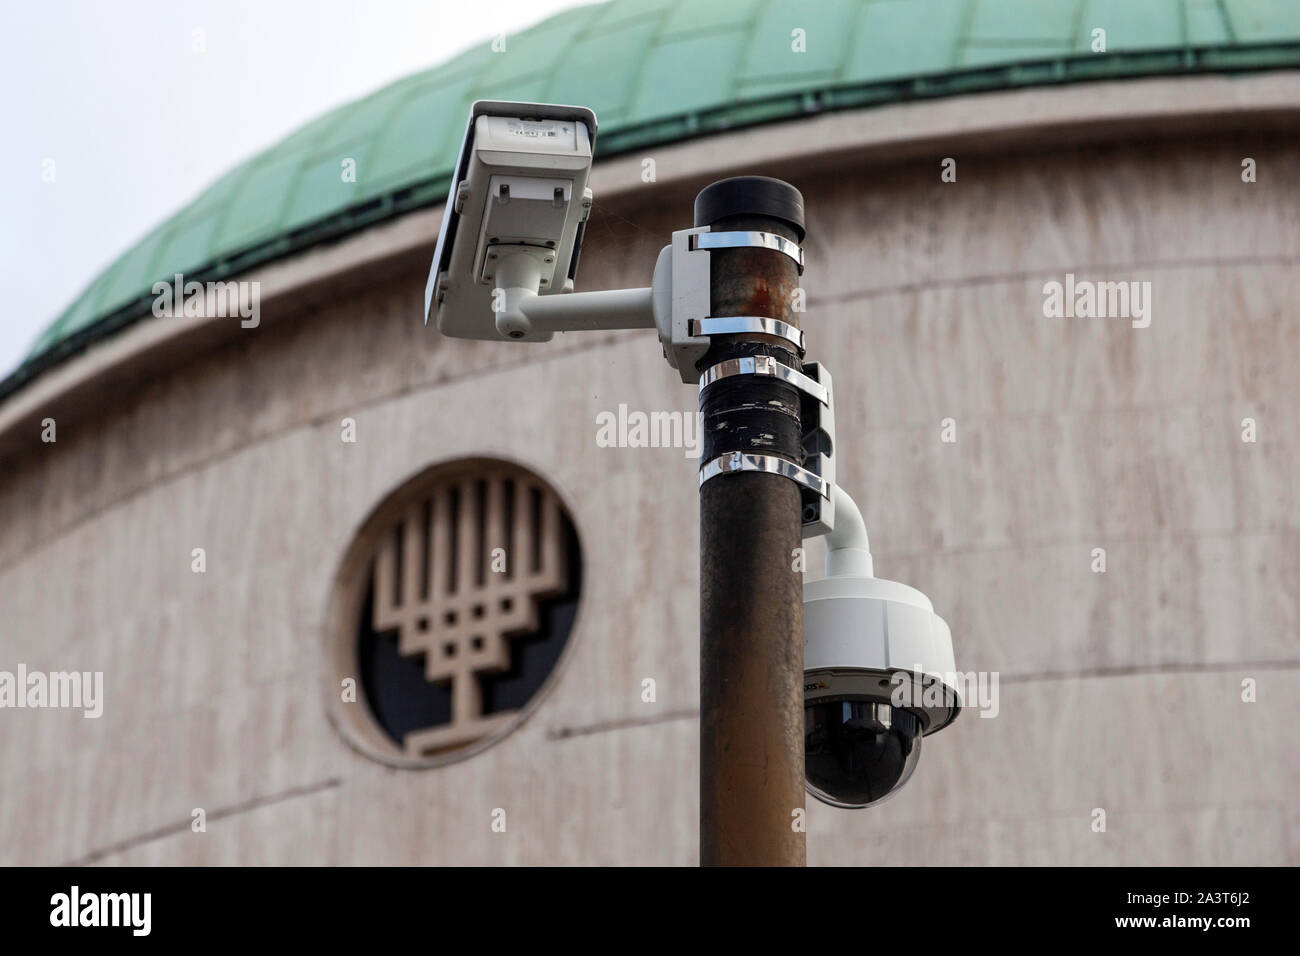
(655, 71)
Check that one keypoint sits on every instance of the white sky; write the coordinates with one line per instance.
(138, 123)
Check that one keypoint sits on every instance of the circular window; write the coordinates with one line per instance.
(451, 610)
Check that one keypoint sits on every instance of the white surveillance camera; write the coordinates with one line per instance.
(512, 227)
(878, 673)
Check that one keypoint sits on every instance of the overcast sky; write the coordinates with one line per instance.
(138, 124)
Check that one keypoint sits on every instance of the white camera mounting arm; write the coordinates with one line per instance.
(848, 551)
(526, 314)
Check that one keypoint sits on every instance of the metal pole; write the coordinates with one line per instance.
(751, 597)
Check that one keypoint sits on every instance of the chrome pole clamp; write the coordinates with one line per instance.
(750, 240)
(764, 365)
(733, 462)
(740, 324)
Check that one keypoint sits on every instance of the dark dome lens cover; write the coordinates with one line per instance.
(858, 752)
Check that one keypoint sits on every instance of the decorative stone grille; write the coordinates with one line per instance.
(460, 577)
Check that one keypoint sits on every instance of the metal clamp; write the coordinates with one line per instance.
(750, 240)
(764, 365)
(739, 324)
(737, 461)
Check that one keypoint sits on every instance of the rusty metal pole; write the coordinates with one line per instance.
(751, 598)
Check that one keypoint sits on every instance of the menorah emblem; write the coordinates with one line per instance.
(460, 576)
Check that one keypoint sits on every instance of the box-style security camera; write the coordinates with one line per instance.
(514, 219)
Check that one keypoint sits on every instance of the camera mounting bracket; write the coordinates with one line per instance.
(815, 474)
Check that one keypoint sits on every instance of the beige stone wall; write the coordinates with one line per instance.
(1118, 690)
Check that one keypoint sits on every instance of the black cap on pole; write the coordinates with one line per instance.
(750, 196)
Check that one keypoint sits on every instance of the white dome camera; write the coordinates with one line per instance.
(879, 673)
